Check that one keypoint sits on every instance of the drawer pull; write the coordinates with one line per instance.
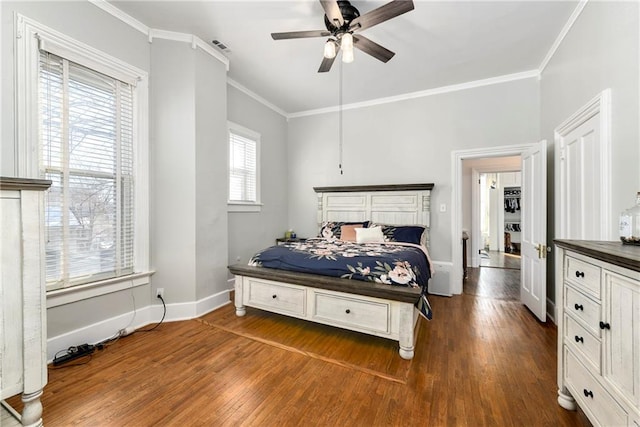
(274, 296)
(579, 273)
(578, 307)
(604, 325)
(347, 311)
(579, 339)
(588, 393)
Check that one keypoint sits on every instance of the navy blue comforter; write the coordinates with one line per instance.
(392, 263)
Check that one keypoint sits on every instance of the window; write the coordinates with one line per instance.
(86, 150)
(82, 123)
(244, 154)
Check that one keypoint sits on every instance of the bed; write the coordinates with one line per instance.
(374, 304)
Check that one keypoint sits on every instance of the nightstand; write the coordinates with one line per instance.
(281, 240)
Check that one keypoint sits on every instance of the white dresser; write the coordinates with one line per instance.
(598, 300)
(23, 367)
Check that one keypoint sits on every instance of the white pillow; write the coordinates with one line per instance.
(369, 235)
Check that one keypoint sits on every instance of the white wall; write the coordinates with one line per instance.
(601, 51)
(250, 232)
(407, 142)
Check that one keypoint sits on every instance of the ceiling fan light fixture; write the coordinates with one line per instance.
(347, 56)
(346, 41)
(346, 44)
(330, 49)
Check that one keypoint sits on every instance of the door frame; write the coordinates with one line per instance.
(457, 156)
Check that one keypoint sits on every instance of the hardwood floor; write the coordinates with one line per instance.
(498, 259)
(482, 361)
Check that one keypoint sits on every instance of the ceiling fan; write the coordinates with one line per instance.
(342, 20)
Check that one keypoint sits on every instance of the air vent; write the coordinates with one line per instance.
(223, 47)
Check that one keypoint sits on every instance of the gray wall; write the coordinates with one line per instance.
(407, 142)
(188, 133)
(251, 231)
(601, 51)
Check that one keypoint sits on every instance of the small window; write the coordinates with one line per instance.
(244, 155)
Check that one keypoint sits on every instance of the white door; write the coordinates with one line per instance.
(583, 198)
(533, 272)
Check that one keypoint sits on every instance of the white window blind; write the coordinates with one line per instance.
(86, 150)
(243, 182)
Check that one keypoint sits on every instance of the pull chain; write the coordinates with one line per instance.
(340, 136)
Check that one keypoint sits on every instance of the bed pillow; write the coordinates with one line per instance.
(369, 235)
(348, 232)
(332, 229)
(415, 234)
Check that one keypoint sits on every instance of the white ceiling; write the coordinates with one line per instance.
(439, 43)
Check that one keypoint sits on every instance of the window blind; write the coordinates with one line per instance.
(86, 150)
(242, 168)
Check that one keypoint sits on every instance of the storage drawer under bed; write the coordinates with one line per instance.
(355, 313)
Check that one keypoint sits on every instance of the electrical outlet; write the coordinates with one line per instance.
(443, 207)
(160, 293)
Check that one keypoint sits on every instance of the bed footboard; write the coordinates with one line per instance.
(381, 317)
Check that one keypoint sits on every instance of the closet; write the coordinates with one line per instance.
(511, 211)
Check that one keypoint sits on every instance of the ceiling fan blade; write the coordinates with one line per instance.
(372, 48)
(326, 63)
(300, 34)
(332, 10)
(381, 14)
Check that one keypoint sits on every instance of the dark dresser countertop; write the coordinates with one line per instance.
(627, 256)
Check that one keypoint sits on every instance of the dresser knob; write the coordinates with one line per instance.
(578, 306)
(579, 339)
(348, 311)
(604, 325)
(587, 393)
(274, 296)
(579, 273)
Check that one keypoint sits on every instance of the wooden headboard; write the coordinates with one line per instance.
(402, 204)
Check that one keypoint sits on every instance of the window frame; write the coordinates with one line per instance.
(29, 37)
(234, 205)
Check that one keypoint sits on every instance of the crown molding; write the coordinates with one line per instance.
(424, 93)
(152, 33)
(257, 97)
(127, 19)
(563, 33)
(193, 40)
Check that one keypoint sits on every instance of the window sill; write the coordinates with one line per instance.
(244, 207)
(73, 294)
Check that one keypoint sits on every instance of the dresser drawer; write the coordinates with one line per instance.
(583, 308)
(584, 275)
(592, 398)
(351, 312)
(275, 297)
(579, 338)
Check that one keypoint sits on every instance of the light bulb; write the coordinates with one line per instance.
(347, 56)
(347, 41)
(346, 44)
(330, 49)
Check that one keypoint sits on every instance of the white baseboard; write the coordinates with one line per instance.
(552, 313)
(107, 328)
(439, 284)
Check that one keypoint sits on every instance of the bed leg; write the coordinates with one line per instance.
(241, 310)
(407, 326)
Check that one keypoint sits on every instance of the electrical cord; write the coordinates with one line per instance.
(161, 320)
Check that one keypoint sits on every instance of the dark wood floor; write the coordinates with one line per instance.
(482, 360)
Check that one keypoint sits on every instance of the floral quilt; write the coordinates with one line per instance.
(391, 263)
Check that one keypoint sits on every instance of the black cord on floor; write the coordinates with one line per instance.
(161, 320)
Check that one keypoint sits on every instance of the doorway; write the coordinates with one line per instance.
(533, 245)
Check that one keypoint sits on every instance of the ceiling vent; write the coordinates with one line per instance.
(223, 47)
